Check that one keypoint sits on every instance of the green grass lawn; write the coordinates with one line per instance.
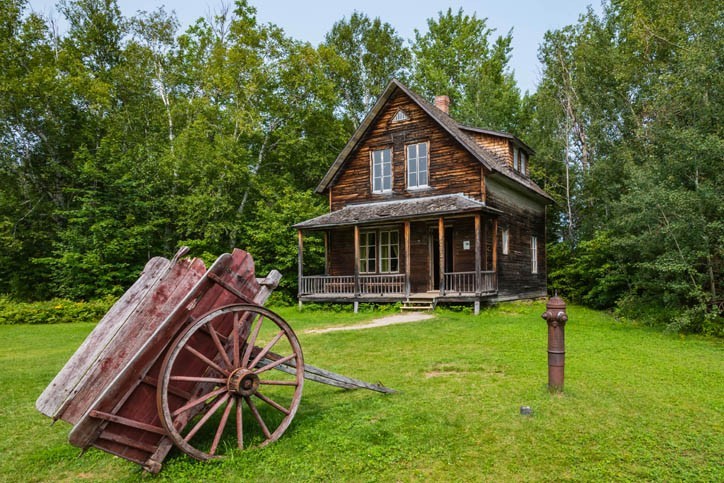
(638, 405)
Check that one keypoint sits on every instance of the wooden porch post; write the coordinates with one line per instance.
(326, 253)
(441, 242)
(300, 265)
(356, 263)
(495, 245)
(477, 254)
(407, 259)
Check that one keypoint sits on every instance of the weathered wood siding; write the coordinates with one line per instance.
(451, 168)
(419, 256)
(500, 147)
(523, 218)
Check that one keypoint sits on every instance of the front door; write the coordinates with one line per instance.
(435, 255)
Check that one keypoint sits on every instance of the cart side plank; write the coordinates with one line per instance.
(70, 378)
(131, 336)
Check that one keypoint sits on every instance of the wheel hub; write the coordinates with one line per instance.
(243, 382)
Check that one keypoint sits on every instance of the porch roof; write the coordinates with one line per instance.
(408, 209)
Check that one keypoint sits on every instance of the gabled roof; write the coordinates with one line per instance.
(456, 130)
(387, 211)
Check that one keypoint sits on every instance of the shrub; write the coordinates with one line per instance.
(55, 311)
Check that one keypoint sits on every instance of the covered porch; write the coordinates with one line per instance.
(391, 252)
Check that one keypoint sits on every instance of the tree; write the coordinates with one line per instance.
(455, 58)
(362, 55)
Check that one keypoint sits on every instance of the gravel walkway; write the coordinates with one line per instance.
(381, 322)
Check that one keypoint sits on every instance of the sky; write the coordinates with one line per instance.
(309, 20)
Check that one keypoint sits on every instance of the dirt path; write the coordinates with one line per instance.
(381, 322)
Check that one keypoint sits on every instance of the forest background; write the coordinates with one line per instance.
(123, 138)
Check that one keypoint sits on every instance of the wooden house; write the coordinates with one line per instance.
(422, 208)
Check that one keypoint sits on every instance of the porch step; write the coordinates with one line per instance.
(410, 304)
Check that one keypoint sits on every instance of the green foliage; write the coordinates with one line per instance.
(362, 55)
(586, 273)
(273, 242)
(627, 123)
(455, 58)
(54, 311)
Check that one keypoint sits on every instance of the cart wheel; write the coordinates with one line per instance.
(220, 364)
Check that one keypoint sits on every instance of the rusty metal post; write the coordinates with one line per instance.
(556, 317)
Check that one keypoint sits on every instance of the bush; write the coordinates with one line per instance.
(56, 311)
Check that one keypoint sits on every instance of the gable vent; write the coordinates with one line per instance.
(400, 116)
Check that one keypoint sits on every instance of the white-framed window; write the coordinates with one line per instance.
(382, 170)
(368, 251)
(523, 161)
(515, 159)
(417, 165)
(389, 251)
(534, 254)
(505, 240)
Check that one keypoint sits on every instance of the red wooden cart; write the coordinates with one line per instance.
(185, 358)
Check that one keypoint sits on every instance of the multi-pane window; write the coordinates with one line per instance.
(379, 251)
(382, 170)
(506, 241)
(368, 252)
(417, 165)
(389, 251)
(515, 159)
(534, 254)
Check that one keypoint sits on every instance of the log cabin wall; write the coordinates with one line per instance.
(341, 251)
(523, 218)
(419, 256)
(451, 169)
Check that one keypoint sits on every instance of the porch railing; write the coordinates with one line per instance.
(382, 284)
(392, 284)
(464, 282)
(327, 284)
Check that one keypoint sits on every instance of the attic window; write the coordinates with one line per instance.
(520, 159)
(400, 116)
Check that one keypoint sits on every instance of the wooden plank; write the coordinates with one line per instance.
(477, 253)
(495, 244)
(324, 376)
(127, 422)
(131, 336)
(407, 258)
(300, 259)
(72, 377)
(356, 260)
(441, 242)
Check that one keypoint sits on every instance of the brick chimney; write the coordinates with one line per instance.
(443, 103)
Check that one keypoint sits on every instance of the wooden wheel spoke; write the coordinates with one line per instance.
(222, 425)
(235, 340)
(272, 403)
(270, 382)
(275, 363)
(251, 342)
(266, 349)
(219, 346)
(218, 380)
(198, 401)
(208, 361)
(239, 425)
(257, 416)
(206, 417)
